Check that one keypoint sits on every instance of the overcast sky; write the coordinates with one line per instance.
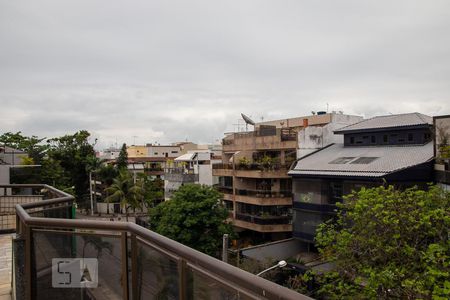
(166, 71)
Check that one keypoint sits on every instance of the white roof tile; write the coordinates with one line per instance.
(390, 159)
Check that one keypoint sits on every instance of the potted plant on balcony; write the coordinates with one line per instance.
(266, 162)
(244, 163)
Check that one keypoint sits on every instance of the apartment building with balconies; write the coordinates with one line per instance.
(253, 174)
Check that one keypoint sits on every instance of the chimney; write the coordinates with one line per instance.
(305, 123)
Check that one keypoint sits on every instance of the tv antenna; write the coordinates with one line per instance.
(247, 121)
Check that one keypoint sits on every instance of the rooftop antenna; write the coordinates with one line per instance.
(327, 107)
(247, 121)
(238, 125)
(134, 139)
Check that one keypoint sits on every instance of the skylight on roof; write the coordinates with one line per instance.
(364, 160)
(342, 160)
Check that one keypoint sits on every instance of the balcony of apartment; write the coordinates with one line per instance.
(154, 170)
(180, 174)
(263, 223)
(132, 262)
(253, 170)
(272, 139)
(264, 197)
(222, 169)
(263, 218)
(227, 191)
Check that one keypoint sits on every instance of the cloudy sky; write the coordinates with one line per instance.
(165, 71)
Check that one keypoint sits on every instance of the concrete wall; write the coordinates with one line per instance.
(102, 208)
(4, 174)
(312, 138)
(161, 151)
(298, 122)
(137, 151)
(442, 131)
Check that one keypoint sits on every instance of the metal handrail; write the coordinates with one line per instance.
(239, 279)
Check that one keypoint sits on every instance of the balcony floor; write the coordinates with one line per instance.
(5, 266)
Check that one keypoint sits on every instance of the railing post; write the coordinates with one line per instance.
(124, 276)
(28, 275)
(182, 279)
(134, 270)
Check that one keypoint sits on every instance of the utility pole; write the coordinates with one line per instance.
(90, 192)
(225, 248)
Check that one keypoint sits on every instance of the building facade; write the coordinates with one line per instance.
(253, 175)
(442, 151)
(395, 149)
(192, 167)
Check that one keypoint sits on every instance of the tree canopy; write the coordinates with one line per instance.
(387, 243)
(194, 217)
(122, 159)
(124, 190)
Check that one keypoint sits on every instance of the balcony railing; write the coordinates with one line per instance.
(264, 220)
(264, 193)
(261, 167)
(133, 262)
(222, 166)
(224, 189)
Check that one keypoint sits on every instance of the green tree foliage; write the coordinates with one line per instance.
(74, 153)
(388, 243)
(194, 217)
(124, 190)
(152, 190)
(122, 159)
(106, 173)
(33, 145)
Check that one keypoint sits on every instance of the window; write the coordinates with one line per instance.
(385, 138)
(364, 160)
(352, 140)
(410, 137)
(373, 139)
(336, 191)
(341, 160)
(174, 151)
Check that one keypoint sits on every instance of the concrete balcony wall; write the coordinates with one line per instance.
(281, 173)
(263, 228)
(181, 177)
(264, 200)
(222, 172)
(259, 143)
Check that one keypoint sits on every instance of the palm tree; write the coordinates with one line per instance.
(124, 190)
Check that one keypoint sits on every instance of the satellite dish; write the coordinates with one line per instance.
(247, 120)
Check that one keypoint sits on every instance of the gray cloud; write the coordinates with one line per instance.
(170, 70)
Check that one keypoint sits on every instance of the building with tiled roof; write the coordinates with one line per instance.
(393, 149)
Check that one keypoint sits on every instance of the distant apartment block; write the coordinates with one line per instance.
(9, 158)
(192, 167)
(393, 149)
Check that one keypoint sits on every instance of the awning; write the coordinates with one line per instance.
(185, 157)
